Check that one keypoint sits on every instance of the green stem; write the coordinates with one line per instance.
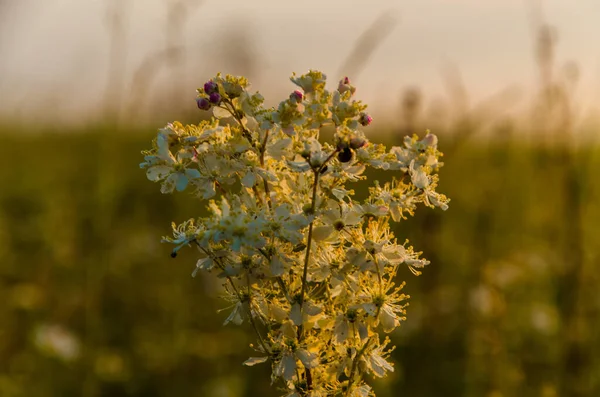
(355, 365)
(262, 342)
(251, 318)
(263, 149)
(255, 191)
(378, 273)
(278, 279)
(245, 131)
(308, 244)
(313, 204)
(239, 296)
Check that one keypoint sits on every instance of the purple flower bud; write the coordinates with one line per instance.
(296, 96)
(203, 103)
(215, 98)
(364, 119)
(210, 87)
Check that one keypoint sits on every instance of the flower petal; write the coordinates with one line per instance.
(192, 173)
(255, 360)
(182, 182)
(310, 360)
(249, 179)
(158, 172)
(320, 233)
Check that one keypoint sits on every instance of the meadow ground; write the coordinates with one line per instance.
(94, 306)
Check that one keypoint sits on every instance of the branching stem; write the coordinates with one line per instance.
(378, 273)
(279, 280)
(317, 172)
(355, 365)
(239, 296)
(263, 149)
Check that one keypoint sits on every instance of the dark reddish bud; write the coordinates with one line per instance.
(364, 119)
(174, 254)
(345, 155)
(210, 87)
(296, 96)
(203, 103)
(215, 98)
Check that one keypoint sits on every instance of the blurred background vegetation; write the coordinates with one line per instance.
(92, 304)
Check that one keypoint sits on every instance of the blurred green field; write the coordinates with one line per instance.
(92, 304)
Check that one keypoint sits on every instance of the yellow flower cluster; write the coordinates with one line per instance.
(311, 268)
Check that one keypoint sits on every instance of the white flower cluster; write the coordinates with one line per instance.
(309, 267)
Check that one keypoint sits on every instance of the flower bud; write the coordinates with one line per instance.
(357, 142)
(215, 98)
(210, 87)
(305, 153)
(308, 209)
(316, 161)
(232, 90)
(341, 145)
(364, 119)
(344, 85)
(203, 103)
(430, 140)
(296, 96)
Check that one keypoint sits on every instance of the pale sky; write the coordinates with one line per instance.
(53, 53)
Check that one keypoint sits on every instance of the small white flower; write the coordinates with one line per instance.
(283, 227)
(418, 176)
(335, 221)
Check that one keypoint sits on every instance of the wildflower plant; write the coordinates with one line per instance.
(310, 268)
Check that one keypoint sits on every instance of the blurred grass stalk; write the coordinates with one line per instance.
(556, 101)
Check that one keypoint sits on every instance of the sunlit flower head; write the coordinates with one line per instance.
(308, 266)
